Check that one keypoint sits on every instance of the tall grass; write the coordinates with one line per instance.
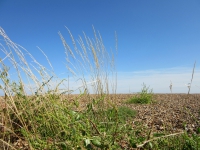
(89, 59)
(38, 116)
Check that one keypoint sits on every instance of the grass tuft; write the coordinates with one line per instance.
(145, 96)
(126, 113)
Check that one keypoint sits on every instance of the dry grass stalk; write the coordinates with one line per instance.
(144, 143)
(91, 59)
(7, 144)
(170, 87)
(189, 87)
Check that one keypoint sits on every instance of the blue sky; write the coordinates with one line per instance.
(158, 41)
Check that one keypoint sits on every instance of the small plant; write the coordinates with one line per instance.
(123, 113)
(126, 113)
(145, 96)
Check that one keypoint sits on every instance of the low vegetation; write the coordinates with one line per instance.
(144, 97)
(42, 116)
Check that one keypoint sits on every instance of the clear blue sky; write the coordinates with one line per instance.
(154, 37)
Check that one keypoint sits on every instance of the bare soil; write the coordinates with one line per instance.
(172, 113)
(169, 112)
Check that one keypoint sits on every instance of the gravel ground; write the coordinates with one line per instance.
(171, 112)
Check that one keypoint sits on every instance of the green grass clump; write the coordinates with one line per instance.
(122, 113)
(126, 113)
(51, 122)
(145, 96)
(182, 141)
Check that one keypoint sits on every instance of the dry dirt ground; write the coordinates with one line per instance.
(169, 112)
(173, 112)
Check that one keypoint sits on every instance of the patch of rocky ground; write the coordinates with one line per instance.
(170, 112)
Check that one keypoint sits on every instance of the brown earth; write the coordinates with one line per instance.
(169, 112)
(172, 113)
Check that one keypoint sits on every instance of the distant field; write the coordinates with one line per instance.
(168, 112)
